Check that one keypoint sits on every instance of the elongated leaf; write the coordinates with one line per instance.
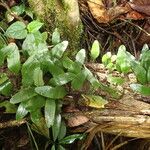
(51, 92)
(78, 81)
(71, 138)
(6, 88)
(62, 131)
(50, 108)
(21, 112)
(17, 30)
(38, 77)
(9, 108)
(55, 37)
(28, 71)
(80, 57)
(53, 147)
(56, 127)
(95, 50)
(35, 103)
(23, 95)
(140, 72)
(59, 49)
(60, 147)
(144, 90)
(34, 26)
(62, 78)
(148, 75)
(13, 58)
(145, 59)
(39, 124)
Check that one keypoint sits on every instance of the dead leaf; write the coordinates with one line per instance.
(77, 121)
(104, 15)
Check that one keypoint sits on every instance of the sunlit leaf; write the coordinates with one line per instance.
(51, 92)
(21, 112)
(80, 56)
(34, 26)
(62, 79)
(53, 147)
(94, 101)
(50, 108)
(13, 58)
(55, 37)
(140, 72)
(60, 147)
(59, 49)
(23, 95)
(148, 75)
(144, 90)
(18, 10)
(115, 80)
(6, 88)
(95, 50)
(38, 77)
(17, 30)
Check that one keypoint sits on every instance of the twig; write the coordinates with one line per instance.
(11, 124)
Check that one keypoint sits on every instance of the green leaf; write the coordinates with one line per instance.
(59, 49)
(106, 59)
(145, 59)
(6, 88)
(55, 37)
(13, 58)
(148, 75)
(23, 95)
(10, 108)
(53, 147)
(144, 90)
(123, 60)
(140, 72)
(28, 70)
(56, 127)
(95, 50)
(115, 80)
(78, 81)
(90, 77)
(21, 112)
(38, 77)
(39, 123)
(34, 26)
(94, 101)
(71, 138)
(80, 56)
(50, 108)
(62, 131)
(61, 147)
(18, 10)
(29, 12)
(62, 79)
(17, 30)
(35, 103)
(51, 92)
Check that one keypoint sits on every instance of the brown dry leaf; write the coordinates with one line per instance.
(103, 15)
(134, 15)
(77, 121)
(142, 6)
